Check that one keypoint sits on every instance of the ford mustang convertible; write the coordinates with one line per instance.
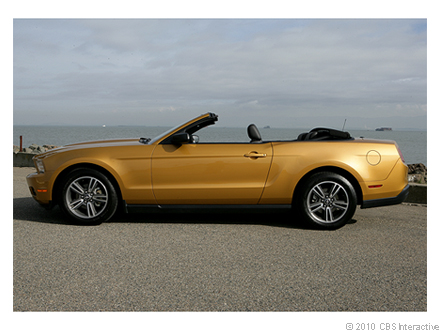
(322, 175)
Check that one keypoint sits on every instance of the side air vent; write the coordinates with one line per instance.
(144, 140)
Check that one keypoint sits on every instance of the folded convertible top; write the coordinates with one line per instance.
(323, 133)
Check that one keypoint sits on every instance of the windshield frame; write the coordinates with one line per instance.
(182, 127)
(164, 134)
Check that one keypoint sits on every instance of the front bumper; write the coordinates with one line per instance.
(387, 201)
(38, 187)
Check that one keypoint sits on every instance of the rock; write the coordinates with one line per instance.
(34, 146)
(417, 173)
(417, 178)
(49, 146)
(417, 168)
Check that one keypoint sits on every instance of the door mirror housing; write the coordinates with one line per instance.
(181, 138)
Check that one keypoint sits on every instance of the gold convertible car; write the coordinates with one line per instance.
(322, 175)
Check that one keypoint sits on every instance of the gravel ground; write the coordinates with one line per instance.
(217, 262)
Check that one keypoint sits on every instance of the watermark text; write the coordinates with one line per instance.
(391, 326)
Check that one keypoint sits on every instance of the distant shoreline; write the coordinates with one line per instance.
(404, 129)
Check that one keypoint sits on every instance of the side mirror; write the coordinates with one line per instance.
(181, 138)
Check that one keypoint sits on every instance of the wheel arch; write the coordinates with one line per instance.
(334, 169)
(57, 186)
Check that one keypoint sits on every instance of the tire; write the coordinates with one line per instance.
(327, 200)
(88, 197)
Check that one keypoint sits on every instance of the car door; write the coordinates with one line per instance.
(210, 173)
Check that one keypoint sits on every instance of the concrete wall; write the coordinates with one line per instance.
(23, 159)
(418, 193)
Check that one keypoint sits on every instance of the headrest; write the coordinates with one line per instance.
(254, 133)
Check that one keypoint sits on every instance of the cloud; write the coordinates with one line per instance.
(243, 68)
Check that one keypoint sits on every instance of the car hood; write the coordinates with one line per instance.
(89, 145)
(103, 143)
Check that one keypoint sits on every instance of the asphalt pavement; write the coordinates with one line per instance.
(217, 262)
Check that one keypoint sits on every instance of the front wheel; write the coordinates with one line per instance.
(88, 197)
(327, 200)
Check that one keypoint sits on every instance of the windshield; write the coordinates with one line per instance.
(157, 138)
(190, 127)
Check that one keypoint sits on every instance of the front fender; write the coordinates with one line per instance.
(130, 168)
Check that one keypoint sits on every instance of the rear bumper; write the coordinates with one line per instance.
(387, 201)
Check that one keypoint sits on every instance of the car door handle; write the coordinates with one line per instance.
(254, 154)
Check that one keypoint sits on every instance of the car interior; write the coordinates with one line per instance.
(316, 134)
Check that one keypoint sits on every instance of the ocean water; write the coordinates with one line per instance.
(413, 144)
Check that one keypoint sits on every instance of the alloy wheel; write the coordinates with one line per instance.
(327, 202)
(86, 197)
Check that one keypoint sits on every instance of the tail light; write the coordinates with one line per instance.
(400, 153)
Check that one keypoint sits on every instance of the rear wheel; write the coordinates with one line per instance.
(327, 200)
(88, 197)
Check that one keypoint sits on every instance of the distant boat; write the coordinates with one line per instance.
(384, 129)
(266, 126)
(103, 126)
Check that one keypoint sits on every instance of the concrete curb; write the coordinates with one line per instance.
(418, 193)
(23, 159)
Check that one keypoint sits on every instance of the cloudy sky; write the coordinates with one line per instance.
(278, 72)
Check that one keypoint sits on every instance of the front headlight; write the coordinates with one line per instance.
(40, 166)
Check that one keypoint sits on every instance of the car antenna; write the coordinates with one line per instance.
(343, 126)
